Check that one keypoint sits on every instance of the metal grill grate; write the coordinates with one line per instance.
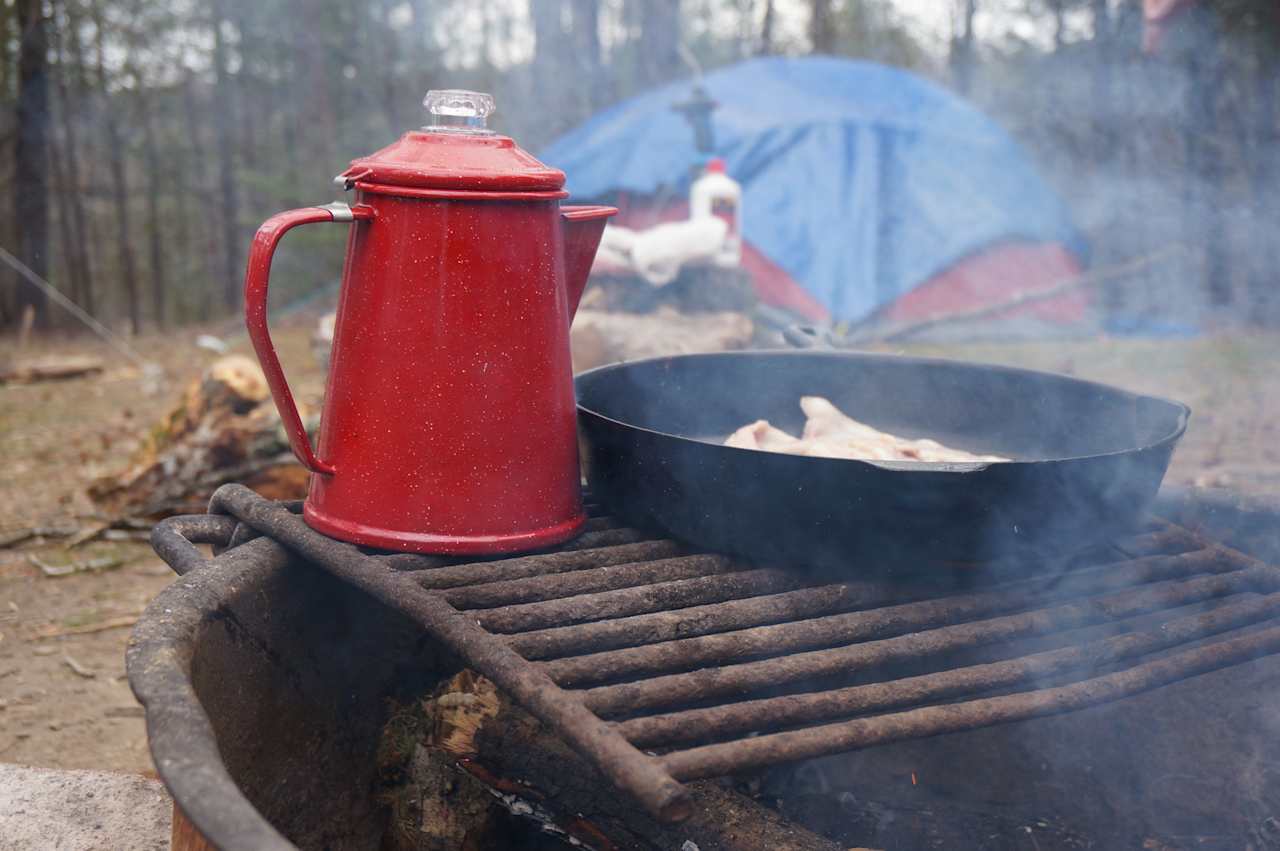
(662, 665)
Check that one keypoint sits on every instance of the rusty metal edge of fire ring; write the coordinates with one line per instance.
(158, 660)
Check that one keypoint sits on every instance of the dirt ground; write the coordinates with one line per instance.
(64, 699)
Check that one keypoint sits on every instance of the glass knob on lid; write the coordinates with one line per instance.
(458, 111)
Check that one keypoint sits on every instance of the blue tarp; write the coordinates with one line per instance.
(861, 181)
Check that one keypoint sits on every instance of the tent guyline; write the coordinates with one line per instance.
(114, 340)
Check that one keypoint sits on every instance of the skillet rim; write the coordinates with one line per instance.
(1181, 409)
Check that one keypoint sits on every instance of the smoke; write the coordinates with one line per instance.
(1154, 151)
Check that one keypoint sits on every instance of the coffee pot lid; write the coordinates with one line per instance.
(456, 152)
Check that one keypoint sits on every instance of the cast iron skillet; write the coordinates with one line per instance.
(1088, 458)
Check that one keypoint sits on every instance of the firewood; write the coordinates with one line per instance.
(225, 428)
(471, 752)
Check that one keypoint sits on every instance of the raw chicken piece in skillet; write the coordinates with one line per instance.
(830, 433)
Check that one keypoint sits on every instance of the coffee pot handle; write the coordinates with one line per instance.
(255, 315)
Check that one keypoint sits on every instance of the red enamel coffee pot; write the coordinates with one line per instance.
(449, 421)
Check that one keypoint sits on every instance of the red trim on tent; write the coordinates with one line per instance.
(1001, 273)
(775, 287)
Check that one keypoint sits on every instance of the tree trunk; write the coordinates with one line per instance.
(71, 200)
(962, 49)
(119, 183)
(822, 26)
(1104, 111)
(155, 227)
(313, 55)
(1264, 277)
(548, 36)
(766, 30)
(422, 57)
(191, 254)
(198, 185)
(659, 41)
(31, 153)
(245, 84)
(231, 271)
(61, 214)
(551, 67)
(388, 70)
(587, 56)
(73, 96)
(1203, 217)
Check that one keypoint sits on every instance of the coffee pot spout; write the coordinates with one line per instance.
(582, 227)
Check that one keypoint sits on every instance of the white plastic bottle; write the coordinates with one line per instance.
(717, 194)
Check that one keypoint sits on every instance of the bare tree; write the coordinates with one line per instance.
(118, 169)
(586, 51)
(31, 151)
(388, 70)
(231, 271)
(822, 26)
(1058, 8)
(1103, 65)
(70, 68)
(659, 40)
(155, 226)
(61, 214)
(550, 68)
(9, 308)
(963, 56)
(1263, 296)
(766, 30)
(195, 181)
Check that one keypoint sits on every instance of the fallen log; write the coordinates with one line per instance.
(466, 761)
(51, 368)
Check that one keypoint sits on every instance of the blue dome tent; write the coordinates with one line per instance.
(860, 181)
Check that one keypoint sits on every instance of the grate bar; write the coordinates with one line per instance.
(729, 757)
(556, 641)
(788, 710)
(702, 637)
(830, 630)
(1166, 540)
(577, 583)
(634, 601)
(747, 677)
(546, 564)
(559, 641)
